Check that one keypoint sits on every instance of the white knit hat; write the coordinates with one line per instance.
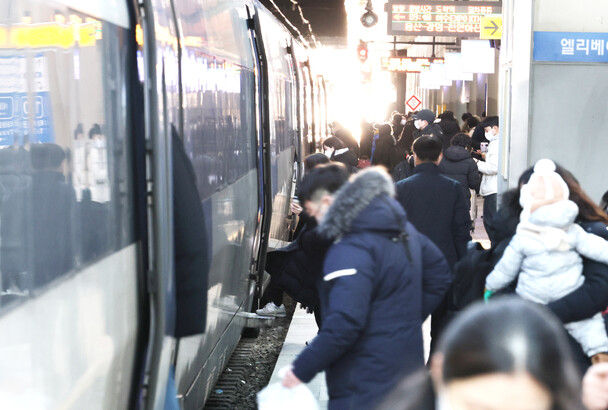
(544, 187)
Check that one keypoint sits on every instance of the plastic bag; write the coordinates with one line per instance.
(277, 397)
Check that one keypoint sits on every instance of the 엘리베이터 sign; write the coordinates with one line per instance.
(570, 47)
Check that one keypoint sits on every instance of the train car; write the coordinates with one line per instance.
(105, 107)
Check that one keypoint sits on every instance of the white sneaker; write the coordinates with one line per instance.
(272, 310)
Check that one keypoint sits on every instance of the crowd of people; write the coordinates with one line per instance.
(385, 241)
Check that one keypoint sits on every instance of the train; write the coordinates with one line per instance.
(122, 124)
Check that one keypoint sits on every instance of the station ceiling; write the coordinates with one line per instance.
(327, 18)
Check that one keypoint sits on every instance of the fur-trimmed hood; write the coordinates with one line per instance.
(345, 214)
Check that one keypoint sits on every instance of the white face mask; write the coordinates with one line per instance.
(490, 136)
(417, 124)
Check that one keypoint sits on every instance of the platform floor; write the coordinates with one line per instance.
(304, 328)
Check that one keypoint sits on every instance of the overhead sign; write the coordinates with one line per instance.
(571, 47)
(25, 108)
(491, 28)
(409, 64)
(413, 103)
(447, 18)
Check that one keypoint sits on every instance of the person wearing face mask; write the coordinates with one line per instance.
(381, 279)
(506, 355)
(489, 175)
(336, 151)
(424, 123)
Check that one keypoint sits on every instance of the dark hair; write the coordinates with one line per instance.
(328, 177)
(384, 130)
(427, 148)
(510, 335)
(490, 122)
(604, 201)
(95, 130)
(466, 116)
(461, 140)
(397, 118)
(447, 115)
(334, 142)
(46, 156)
(315, 159)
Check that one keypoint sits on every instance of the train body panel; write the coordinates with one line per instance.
(71, 296)
(42, 366)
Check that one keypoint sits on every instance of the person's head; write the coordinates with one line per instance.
(332, 144)
(318, 186)
(447, 115)
(544, 187)
(47, 156)
(461, 140)
(95, 131)
(314, 160)
(423, 118)
(508, 354)
(490, 127)
(427, 149)
(384, 130)
(464, 117)
(397, 118)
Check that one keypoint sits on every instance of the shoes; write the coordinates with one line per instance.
(272, 310)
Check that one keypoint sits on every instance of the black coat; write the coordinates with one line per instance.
(347, 138)
(435, 204)
(458, 164)
(406, 139)
(297, 267)
(478, 137)
(449, 128)
(348, 158)
(384, 151)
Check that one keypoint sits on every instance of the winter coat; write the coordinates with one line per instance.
(403, 169)
(449, 128)
(383, 153)
(436, 205)
(405, 141)
(347, 157)
(478, 137)
(458, 164)
(297, 267)
(545, 253)
(381, 280)
(489, 169)
(431, 129)
(347, 138)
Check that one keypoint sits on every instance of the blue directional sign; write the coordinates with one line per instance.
(571, 47)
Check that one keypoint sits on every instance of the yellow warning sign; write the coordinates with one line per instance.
(491, 28)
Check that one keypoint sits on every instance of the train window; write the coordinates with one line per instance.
(218, 87)
(65, 186)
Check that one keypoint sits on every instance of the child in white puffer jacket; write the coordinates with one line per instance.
(545, 253)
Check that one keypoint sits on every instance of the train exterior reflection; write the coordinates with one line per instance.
(88, 308)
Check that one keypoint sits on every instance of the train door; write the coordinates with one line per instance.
(263, 134)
